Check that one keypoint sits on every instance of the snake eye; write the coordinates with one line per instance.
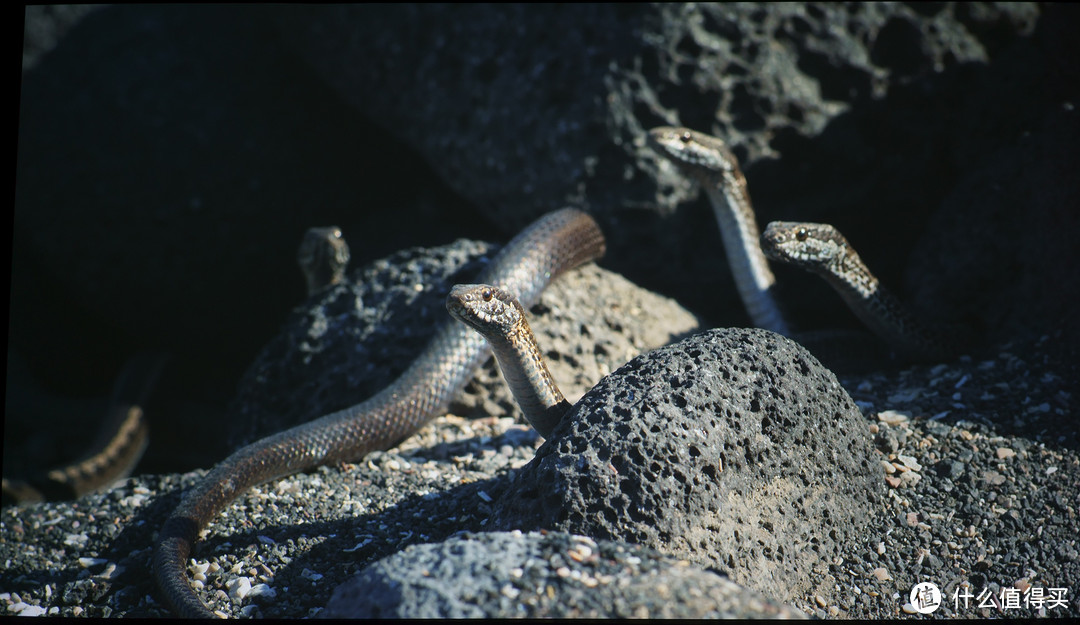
(801, 234)
(487, 295)
(685, 137)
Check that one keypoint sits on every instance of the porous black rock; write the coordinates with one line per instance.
(350, 340)
(872, 117)
(734, 448)
(511, 574)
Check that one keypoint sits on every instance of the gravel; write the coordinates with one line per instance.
(545, 574)
(972, 516)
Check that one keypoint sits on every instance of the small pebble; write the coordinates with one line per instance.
(239, 588)
(909, 462)
(262, 590)
(893, 417)
(910, 478)
(32, 610)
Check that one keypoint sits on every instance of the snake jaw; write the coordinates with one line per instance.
(500, 319)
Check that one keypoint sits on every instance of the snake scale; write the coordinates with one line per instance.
(550, 246)
(323, 256)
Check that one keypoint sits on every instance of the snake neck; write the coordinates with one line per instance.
(883, 312)
(739, 230)
(522, 366)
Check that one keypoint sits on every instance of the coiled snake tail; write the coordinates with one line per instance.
(550, 246)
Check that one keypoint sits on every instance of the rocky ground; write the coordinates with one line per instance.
(978, 459)
(170, 157)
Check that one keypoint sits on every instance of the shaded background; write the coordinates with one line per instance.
(171, 157)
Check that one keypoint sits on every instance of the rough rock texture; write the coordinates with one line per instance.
(551, 575)
(160, 196)
(748, 71)
(351, 340)
(983, 471)
(170, 157)
(863, 115)
(734, 448)
(1009, 222)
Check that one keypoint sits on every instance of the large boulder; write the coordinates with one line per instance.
(733, 448)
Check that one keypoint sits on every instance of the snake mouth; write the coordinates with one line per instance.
(456, 303)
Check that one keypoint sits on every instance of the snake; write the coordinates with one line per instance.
(120, 444)
(323, 255)
(821, 249)
(550, 246)
(817, 247)
(710, 162)
(124, 435)
(500, 318)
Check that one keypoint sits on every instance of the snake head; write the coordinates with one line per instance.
(323, 256)
(809, 245)
(695, 153)
(487, 309)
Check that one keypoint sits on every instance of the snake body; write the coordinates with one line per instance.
(119, 446)
(709, 161)
(500, 319)
(821, 249)
(323, 256)
(555, 243)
